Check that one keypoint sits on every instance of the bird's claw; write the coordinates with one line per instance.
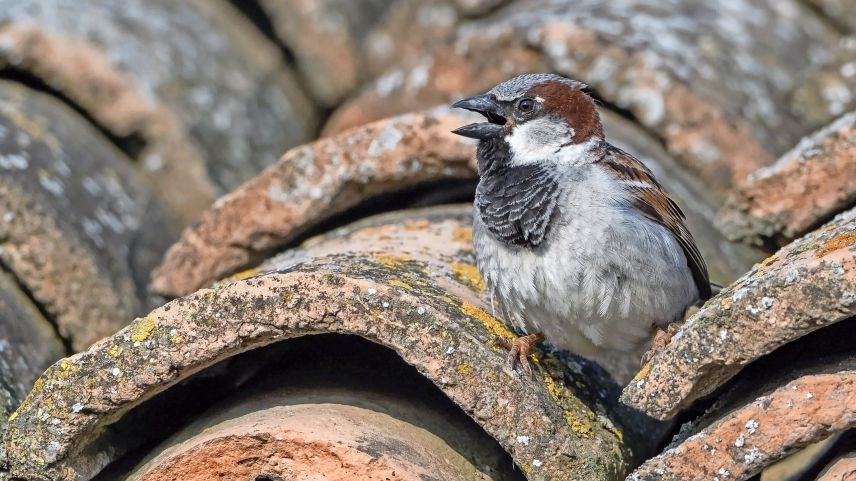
(519, 350)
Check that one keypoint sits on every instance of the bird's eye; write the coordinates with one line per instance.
(526, 105)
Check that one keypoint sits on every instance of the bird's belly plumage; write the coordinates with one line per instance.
(603, 278)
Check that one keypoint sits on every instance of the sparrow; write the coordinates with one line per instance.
(575, 238)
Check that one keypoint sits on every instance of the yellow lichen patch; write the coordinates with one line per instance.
(465, 369)
(114, 351)
(245, 274)
(580, 428)
(552, 386)
(449, 300)
(371, 232)
(176, 338)
(491, 323)
(618, 434)
(840, 241)
(391, 260)
(463, 235)
(64, 369)
(807, 246)
(768, 261)
(400, 283)
(417, 225)
(642, 372)
(142, 329)
(469, 275)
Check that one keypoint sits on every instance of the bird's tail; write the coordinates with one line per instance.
(715, 289)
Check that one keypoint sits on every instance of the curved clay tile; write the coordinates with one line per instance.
(379, 281)
(805, 187)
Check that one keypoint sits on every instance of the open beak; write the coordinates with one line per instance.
(485, 105)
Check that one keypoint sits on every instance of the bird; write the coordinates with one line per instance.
(575, 239)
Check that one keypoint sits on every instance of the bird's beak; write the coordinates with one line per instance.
(487, 106)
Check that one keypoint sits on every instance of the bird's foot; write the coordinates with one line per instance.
(519, 349)
(661, 340)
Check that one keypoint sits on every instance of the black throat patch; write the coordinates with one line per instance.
(517, 204)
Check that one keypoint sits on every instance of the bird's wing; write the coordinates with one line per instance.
(654, 203)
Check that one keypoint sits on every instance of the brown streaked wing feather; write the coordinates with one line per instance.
(653, 202)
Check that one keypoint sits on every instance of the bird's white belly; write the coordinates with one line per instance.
(602, 280)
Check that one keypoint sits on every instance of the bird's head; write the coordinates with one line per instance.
(541, 118)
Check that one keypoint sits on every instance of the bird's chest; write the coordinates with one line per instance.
(524, 276)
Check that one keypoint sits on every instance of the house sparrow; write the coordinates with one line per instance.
(573, 236)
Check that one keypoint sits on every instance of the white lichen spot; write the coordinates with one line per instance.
(739, 294)
(109, 219)
(792, 276)
(387, 140)
(837, 96)
(450, 351)
(753, 455)
(724, 472)
(389, 83)
(767, 302)
(420, 74)
(76, 408)
(153, 162)
(116, 371)
(371, 291)
(740, 441)
(50, 184)
(94, 230)
(751, 426)
(753, 310)
(848, 298)
(651, 108)
(316, 193)
(8, 217)
(809, 396)
(723, 334)
(705, 151)
(277, 193)
(442, 16)
(91, 186)
(13, 161)
(384, 304)
(537, 463)
(524, 440)
(837, 268)
(420, 310)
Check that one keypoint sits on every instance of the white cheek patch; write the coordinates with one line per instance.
(537, 140)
